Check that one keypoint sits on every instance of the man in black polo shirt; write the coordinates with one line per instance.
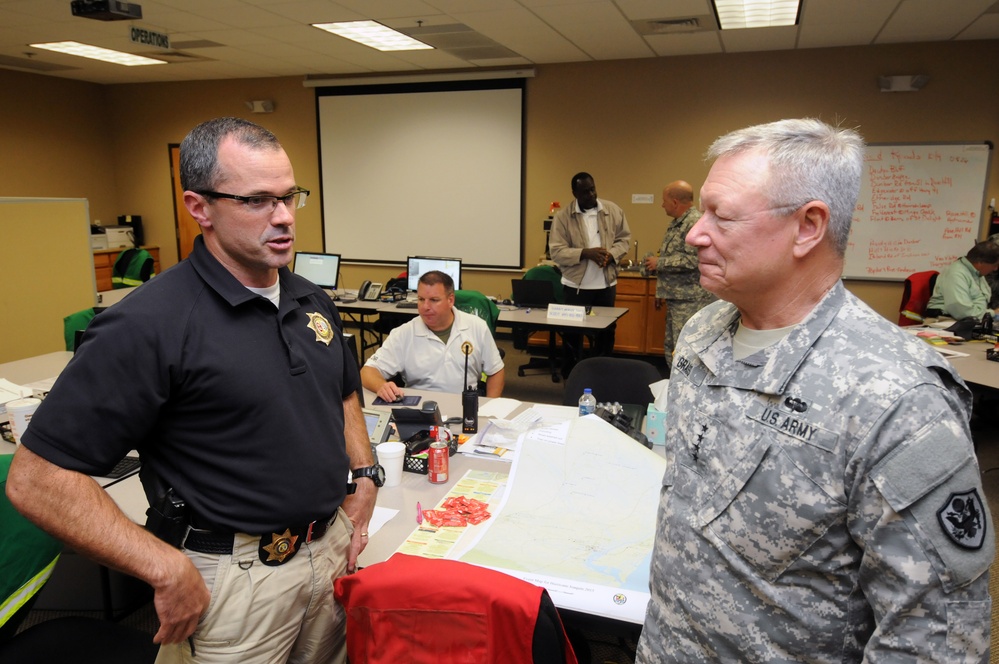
(229, 375)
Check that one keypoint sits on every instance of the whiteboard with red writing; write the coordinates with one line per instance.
(921, 207)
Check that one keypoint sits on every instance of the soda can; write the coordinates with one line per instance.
(437, 462)
(440, 433)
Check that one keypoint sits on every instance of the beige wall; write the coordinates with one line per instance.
(635, 125)
(54, 141)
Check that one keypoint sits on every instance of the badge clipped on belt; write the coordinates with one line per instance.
(281, 549)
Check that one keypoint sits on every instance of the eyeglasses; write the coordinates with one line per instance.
(296, 199)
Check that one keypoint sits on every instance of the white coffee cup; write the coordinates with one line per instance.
(20, 412)
(391, 456)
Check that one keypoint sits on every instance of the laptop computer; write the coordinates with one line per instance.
(532, 292)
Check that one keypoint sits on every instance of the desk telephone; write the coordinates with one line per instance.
(369, 291)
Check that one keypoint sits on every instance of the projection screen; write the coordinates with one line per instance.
(423, 169)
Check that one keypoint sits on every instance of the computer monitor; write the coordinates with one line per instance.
(417, 266)
(321, 269)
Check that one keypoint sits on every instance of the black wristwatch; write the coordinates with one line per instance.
(375, 473)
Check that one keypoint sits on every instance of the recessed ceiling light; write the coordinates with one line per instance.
(735, 14)
(98, 53)
(373, 34)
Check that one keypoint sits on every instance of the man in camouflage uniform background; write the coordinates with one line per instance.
(678, 281)
(822, 501)
(993, 279)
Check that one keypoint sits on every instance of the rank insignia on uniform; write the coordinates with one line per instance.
(321, 326)
(281, 548)
(795, 404)
(963, 519)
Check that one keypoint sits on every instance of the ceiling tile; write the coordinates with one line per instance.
(931, 20)
(525, 33)
(635, 10)
(987, 27)
(759, 39)
(596, 28)
(692, 43)
(273, 37)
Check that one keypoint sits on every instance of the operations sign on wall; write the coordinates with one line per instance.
(920, 208)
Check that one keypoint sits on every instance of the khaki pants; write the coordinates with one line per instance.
(261, 615)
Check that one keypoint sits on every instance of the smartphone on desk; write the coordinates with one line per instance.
(408, 400)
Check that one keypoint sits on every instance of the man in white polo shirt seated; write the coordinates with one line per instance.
(428, 350)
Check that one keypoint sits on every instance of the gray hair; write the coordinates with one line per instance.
(809, 161)
(199, 164)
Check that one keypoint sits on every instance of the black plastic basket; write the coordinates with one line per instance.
(415, 464)
(421, 465)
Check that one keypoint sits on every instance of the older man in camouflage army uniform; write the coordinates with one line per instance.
(678, 281)
(822, 501)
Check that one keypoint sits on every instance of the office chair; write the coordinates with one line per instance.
(74, 324)
(27, 557)
(133, 267)
(474, 302)
(619, 379)
(422, 610)
(916, 294)
(80, 640)
(552, 362)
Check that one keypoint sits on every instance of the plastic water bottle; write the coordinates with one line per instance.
(587, 402)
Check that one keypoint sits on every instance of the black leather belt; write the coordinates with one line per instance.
(275, 548)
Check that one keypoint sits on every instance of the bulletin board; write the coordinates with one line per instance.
(920, 208)
(47, 272)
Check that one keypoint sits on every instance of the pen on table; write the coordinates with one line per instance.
(419, 513)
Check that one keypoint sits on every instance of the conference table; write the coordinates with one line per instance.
(532, 319)
(973, 367)
(400, 500)
(976, 368)
(606, 540)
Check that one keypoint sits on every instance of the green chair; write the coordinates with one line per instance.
(27, 558)
(474, 302)
(548, 273)
(549, 364)
(133, 267)
(74, 324)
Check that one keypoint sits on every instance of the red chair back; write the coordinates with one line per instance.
(915, 294)
(431, 611)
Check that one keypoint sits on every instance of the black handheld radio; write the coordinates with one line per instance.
(469, 398)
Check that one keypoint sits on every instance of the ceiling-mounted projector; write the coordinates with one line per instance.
(106, 10)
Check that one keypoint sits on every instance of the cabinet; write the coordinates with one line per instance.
(655, 325)
(642, 329)
(630, 334)
(104, 262)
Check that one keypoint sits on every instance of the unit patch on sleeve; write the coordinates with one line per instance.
(963, 519)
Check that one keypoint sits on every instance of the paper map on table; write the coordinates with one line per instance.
(579, 518)
(432, 542)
